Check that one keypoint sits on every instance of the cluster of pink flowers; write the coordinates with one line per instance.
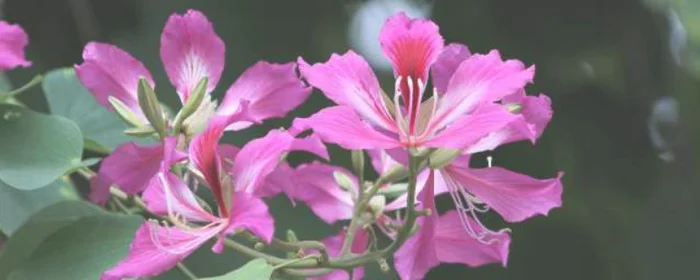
(477, 102)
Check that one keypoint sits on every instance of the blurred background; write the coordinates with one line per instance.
(624, 77)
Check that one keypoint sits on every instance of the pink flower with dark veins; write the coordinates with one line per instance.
(461, 111)
(13, 40)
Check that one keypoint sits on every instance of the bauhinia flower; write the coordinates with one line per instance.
(191, 51)
(234, 185)
(13, 40)
(460, 112)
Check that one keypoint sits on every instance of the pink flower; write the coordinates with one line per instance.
(238, 208)
(440, 239)
(460, 113)
(191, 50)
(13, 40)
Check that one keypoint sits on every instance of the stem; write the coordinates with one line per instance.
(186, 271)
(411, 216)
(290, 262)
(300, 245)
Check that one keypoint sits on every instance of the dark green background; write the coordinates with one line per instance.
(627, 214)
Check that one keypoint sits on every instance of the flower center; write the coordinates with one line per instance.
(412, 124)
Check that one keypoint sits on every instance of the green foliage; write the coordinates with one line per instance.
(36, 149)
(256, 269)
(16, 206)
(70, 240)
(67, 97)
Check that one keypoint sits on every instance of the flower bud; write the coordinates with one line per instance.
(514, 108)
(358, 161)
(140, 131)
(125, 113)
(442, 157)
(394, 190)
(344, 181)
(376, 204)
(148, 101)
(192, 104)
(198, 120)
(396, 173)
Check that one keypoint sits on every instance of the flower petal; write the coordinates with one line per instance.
(479, 79)
(515, 196)
(281, 180)
(412, 45)
(311, 144)
(109, 71)
(156, 249)
(382, 161)
(259, 158)
(272, 89)
(251, 213)
(446, 64)
(535, 112)
(453, 245)
(13, 40)
(469, 129)
(348, 80)
(418, 254)
(191, 50)
(169, 195)
(131, 167)
(316, 187)
(341, 125)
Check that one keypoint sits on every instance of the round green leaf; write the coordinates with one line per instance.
(41, 225)
(82, 250)
(36, 149)
(256, 269)
(67, 97)
(16, 206)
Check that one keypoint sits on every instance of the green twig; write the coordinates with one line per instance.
(186, 271)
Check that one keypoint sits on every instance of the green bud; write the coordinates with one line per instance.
(358, 161)
(148, 101)
(344, 181)
(442, 157)
(376, 204)
(140, 131)
(198, 120)
(394, 174)
(125, 113)
(192, 104)
(394, 190)
(514, 108)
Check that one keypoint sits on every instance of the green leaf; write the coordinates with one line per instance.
(41, 225)
(67, 97)
(257, 269)
(36, 149)
(16, 206)
(82, 250)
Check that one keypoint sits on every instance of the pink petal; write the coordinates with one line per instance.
(109, 71)
(251, 213)
(454, 245)
(348, 80)
(168, 195)
(281, 180)
(228, 153)
(204, 156)
(382, 161)
(316, 187)
(156, 249)
(418, 255)
(311, 144)
(446, 64)
(272, 89)
(13, 40)
(130, 167)
(191, 50)
(412, 45)
(341, 125)
(479, 79)
(469, 129)
(439, 187)
(515, 196)
(334, 244)
(535, 112)
(259, 158)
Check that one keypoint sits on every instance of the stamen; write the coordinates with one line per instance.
(427, 127)
(171, 246)
(400, 120)
(467, 209)
(489, 160)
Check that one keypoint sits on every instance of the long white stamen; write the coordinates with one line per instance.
(400, 120)
(489, 160)
(411, 100)
(467, 208)
(173, 247)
